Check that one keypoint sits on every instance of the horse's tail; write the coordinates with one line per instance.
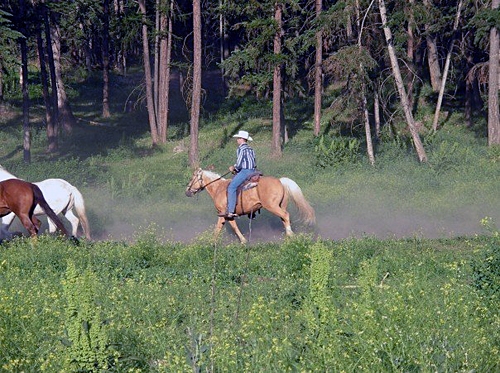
(80, 210)
(306, 211)
(40, 200)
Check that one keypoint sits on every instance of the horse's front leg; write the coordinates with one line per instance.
(218, 227)
(236, 230)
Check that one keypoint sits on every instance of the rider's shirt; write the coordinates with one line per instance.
(245, 158)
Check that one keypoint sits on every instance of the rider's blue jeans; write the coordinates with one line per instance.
(236, 181)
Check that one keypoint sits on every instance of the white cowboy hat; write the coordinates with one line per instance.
(243, 135)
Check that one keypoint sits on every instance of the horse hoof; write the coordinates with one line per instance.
(74, 240)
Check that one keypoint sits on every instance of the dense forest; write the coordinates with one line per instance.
(385, 60)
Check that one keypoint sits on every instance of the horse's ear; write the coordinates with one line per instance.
(211, 167)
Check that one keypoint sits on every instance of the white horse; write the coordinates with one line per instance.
(61, 196)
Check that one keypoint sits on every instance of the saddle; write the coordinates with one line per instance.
(251, 181)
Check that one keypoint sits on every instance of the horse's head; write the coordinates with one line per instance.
(196, 184)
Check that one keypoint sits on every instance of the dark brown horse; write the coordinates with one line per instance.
(21, 198)
(270, 193)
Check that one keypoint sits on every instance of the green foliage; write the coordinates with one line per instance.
(134, 185)
(446, 156)
(319, 311)
(487, 265)
(482, 21)
(8, 48)
(252, 64)
(494, 153)
(336, 151)
(393, 147)
(87, 332)
(340, 66)
(354, 305)
(452, 150)
(296, 256)
(74, 170)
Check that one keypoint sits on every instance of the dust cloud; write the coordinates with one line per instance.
(332, 222)
(191, 220)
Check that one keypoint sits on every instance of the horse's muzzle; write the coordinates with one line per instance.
(189, 193)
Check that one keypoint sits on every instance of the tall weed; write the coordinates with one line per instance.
(87, 332)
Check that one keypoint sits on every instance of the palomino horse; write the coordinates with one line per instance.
(271, 194)
(61, 196)
(21, 198)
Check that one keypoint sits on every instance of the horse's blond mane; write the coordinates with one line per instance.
(211, 175)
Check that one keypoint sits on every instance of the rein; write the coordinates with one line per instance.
(213, 181)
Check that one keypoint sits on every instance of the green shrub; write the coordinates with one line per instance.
(494, 153)
(392, 147)
(320, 309)
(88, 339)
(486, 267)
(336, 151)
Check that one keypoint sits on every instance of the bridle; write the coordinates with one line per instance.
(199, 180)
(199, 174)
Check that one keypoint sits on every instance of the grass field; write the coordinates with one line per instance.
(366, 305)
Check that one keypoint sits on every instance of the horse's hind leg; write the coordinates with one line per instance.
(73, 220)
(36, 222)
(29, 224)
(284, 216)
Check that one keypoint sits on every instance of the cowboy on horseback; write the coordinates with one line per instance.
(244, 167)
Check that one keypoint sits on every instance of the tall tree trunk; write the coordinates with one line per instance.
(348, 24)
(196, 95)
(277, 124)
(318, 72)
(364, 101)
(400, 85)
(156, 63)
(433, 62)
(147, 75)
(53, 126)
(368, 133)
(224, 43)
(24, 86)
(86, 50)
(49, 114)
(164, 70)
(432, 54)
(446, 68)
(473, 100)
(376, 113)
(493, 84)
(66, 118)
(121, 51)
(105, 61)
(1, 85)
(410, 51)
